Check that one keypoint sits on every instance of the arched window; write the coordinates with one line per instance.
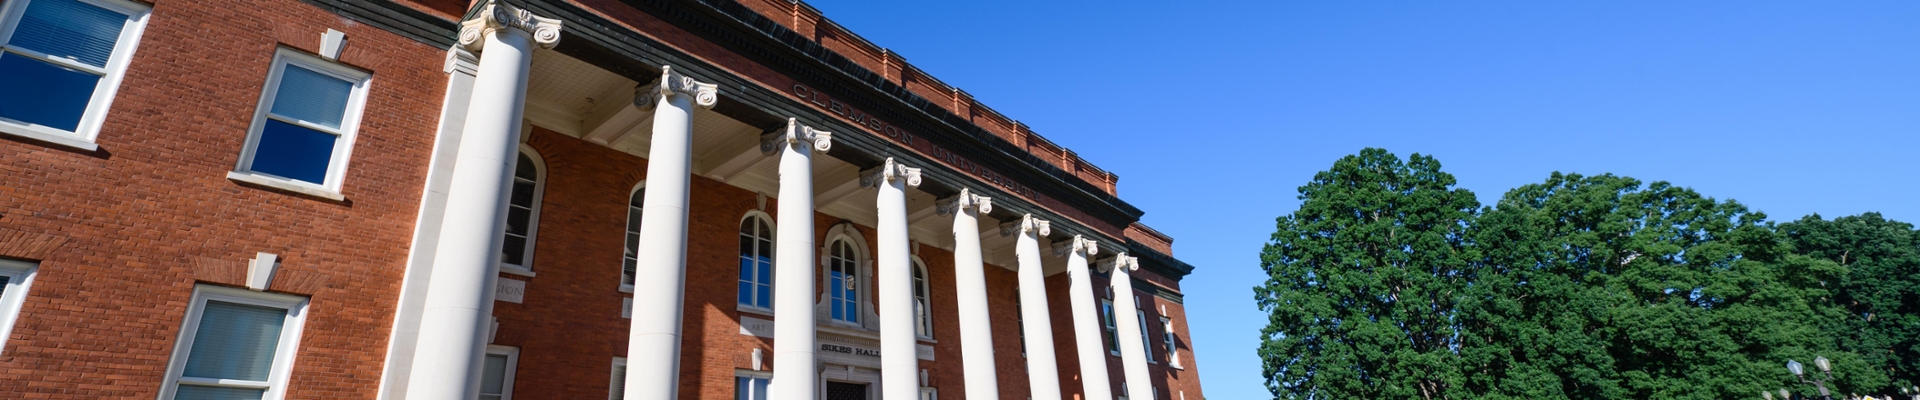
(632, 256)
(843, 282)
(756, 262)
(922, 303)
(523, 212)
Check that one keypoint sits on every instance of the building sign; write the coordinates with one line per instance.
(510, 290)
(897, 134)
(834, 348)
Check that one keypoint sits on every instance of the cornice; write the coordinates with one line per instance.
(397, 18)
(1157, 262)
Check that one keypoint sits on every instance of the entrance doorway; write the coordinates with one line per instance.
(846, 391)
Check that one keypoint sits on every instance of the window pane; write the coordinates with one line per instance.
(311, 96)
(294, 152)
(193, 392)
(43, 94)
(742, 388)
(514, 251)
(70, 29)
(523, 168)
(617, 386)
(519, 218)
(235, 341)
(760, 388)
(766, 296)
(746, 293)
(493, 375)
(626, 271)
(522, 196)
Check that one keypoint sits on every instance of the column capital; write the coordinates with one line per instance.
(1125, 262)
(672, 83)
(1027, 223)
(888, 171)
(1079, 243)
(794, 134)
(496, 16)
(966, 199)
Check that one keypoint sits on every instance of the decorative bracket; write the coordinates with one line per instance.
(1027, 223)
(888, 171)
(673, 83)
(966, 199)
(496, 16)
(1079, 243)
(796, 133)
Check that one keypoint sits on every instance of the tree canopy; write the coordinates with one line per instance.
(1388, 282)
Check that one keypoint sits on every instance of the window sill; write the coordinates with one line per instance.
(48, 136)
(927, 340)
(284, 185)
(516, 270)
(625, 288)
(753, 310)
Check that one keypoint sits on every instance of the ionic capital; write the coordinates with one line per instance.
(796, 133)
(672, 84)
(1027, 223)
(1079, 243)
(1125, 262)
(887, 172)
(496, 16)
(966, 199)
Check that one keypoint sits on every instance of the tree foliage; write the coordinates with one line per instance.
(1388, 283)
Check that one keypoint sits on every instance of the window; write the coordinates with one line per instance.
(617, 387)
(496, 374)
(632, 256)
(1143, 330)
(1020, 320)
(922, 306)
(756, 262)
(523, 213)
(927, 393)
(14, 277)
(843, 278)
(235, 344)
(60, 62)
(1113, 331)
(751, 385)
(1166, 333)
(304, 127)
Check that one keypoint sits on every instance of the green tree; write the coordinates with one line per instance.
(1362, 283)
(1881, 291)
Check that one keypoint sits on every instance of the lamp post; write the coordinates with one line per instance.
(1826, 368)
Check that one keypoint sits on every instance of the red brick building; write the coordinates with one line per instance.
(565, 199)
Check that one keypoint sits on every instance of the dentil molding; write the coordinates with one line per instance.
(673, 83)
(796, 133)
(495, 17)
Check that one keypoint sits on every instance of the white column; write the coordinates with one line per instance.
(458, 308)
(970, 285)
(1086, 318)
(1133, 354)
(899, 365)
(1043, 374)
(653, 345)
(793, 332)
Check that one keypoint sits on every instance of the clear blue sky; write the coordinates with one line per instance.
(1213, 113)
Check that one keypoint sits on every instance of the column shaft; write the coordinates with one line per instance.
(653, 346)
(1043, 373)
(1133, 353)
(970, 285)
(794, 337)
(459, 304)
(1086, 323)
(899, 366)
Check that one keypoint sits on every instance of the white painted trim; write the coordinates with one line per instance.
(84, 135)
(513, 363)
(772, 231)
(628, 287)
(863, 266)
(620, 362)
(1168, 338)
(349, 123)
(284, 184)
(20, 278)
(533, 213)
(925, 286)
(283, 354)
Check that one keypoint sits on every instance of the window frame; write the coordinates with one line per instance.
(923, 297)
(1107, 323)
(619, 370)
(639, 190)
(1168, 339)
(284, 352)
(506, 377)
(751, 374)
(85, 134)
(347, 133)
(1145, 336)
(859, 279)
(772, 239)
(533, 212)
(14, 294)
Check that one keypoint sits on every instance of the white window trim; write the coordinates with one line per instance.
(925, 319)
(628, 287)
(747, 373)
(533, 214)
(1173, 346)
(620, 362)
(861, 279)
(513, 362)
(276, 383)
(1141, 315)
(772, 229)
(348, 132)
(927, 393)
(20, 277)
(1109, 323)
(83, 136)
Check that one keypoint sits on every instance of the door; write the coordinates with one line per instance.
(846, 391)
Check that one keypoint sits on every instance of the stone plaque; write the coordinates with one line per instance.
(510, 290)
(756, 327)
(923, 352)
